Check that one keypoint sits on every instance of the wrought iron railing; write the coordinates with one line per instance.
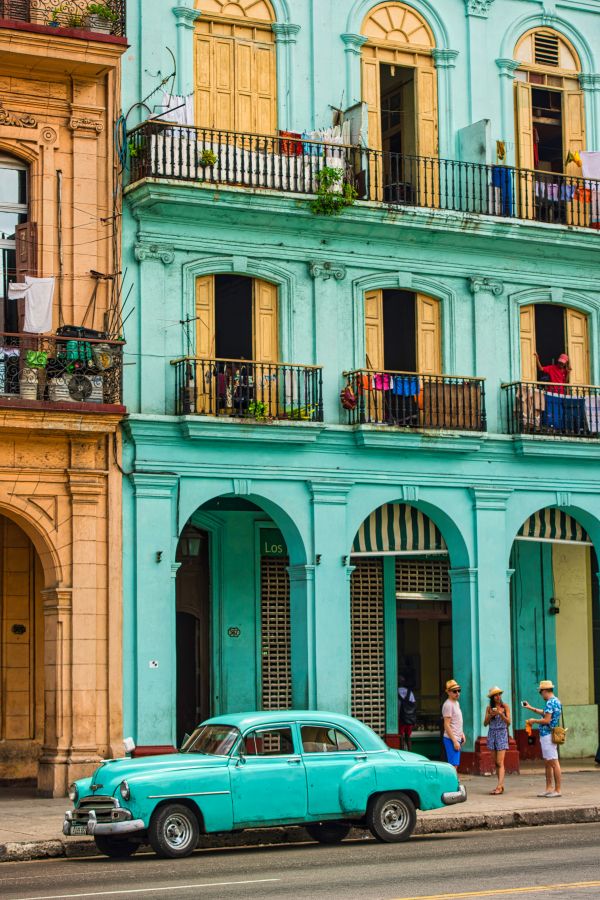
(445, 402)
(60, 369)
(557, 410)
(107, 17)
(161, 150)
(248, 389)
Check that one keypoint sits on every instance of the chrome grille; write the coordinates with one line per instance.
(102, 806)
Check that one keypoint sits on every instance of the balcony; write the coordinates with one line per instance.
(61, 373)
(426, 402)
(540, 408)
(288, 165)
(246, 389)
(79, 18)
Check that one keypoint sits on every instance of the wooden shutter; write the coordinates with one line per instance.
(205, 344)
(528, 343)
(374, 329)
(573, 127)
(578, 346)
(205, 105)
(429, 339)
(371, 95)
(266, 327)
(26, 261)
(368, 648)
(265, 97)
(224, 84)
(244, 87)
(524, 124)
(276, 668)
(427, 126)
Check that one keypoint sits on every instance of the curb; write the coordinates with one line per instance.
(23, 851)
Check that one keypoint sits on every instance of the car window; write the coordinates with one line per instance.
(269, 742)
(215, 740)
(324, 739)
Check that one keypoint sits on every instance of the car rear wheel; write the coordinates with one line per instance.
(391, 817)
(328, 832)
(114, 847)
(173, 831)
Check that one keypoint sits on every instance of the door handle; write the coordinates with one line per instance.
(361, 756)
(295, 761)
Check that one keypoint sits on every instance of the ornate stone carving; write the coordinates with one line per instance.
(444, 58)
(409, 493)
(85, 124)
(589, 81)
(327, 270)
(18, 120)
(49, 135)
(479, 8)
(285, 32)
(486, 285)
(507, 67)
(353, 43)
(563, 498)
(242, 487)
(154, 251)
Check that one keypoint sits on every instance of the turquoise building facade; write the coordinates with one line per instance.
(284, 548)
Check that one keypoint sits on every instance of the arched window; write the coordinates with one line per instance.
(549, 102)
(236, 82)
(17, 236)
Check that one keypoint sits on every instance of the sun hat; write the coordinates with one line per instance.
(493, 691)
(563, 358)
(546, 686)
(451, 685)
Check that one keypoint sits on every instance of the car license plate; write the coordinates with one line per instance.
(78, 829)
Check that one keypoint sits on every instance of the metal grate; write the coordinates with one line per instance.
(368, 660)
(275, 633)
(545, 48)
(415, 576)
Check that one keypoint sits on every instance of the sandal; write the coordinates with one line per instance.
(497, 791)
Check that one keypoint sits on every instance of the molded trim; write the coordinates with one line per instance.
(361, 9)
(542, 20)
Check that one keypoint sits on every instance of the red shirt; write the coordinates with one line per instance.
(558, 375)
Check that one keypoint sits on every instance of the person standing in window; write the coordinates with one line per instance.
(497, 719)
(454, 736)
(559, 373)
(551, 713)
(407, 713)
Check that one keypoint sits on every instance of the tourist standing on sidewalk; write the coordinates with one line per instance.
(454, 736)
(551, 713)
(497, 719)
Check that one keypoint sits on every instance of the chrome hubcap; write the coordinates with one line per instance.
(178, 832)
(394, 816)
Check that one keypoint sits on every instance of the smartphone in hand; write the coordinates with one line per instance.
(524, 703)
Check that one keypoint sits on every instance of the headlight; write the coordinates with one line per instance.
(124, 790)
(73, 793)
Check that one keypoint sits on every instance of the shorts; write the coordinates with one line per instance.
(405, 730)
(549, 748)
(452, 755)
(497, 741)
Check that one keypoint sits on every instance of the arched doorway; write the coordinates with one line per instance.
(555, 624)
(21, 656)
(401, 620)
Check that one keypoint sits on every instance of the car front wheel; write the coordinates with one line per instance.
(173, 831)
(391, 817)
(114, 847)
(328, 832)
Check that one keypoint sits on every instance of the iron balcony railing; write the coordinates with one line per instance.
(556, 410)
(107, 17)
(161, 150)
(248, 389)
(445, 402)
(53, 369)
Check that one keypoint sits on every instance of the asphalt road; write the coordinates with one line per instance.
(546, 862)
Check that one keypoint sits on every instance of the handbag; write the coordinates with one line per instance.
(348, 398)
(559, 732)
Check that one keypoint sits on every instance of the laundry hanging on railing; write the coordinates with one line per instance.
(37, 294)
(177, 108)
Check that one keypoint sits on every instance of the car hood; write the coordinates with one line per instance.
(111, 773)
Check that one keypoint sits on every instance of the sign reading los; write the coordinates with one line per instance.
(272, 543)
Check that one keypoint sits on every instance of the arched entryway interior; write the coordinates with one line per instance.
(233, 612)
(401, 621)
(21, 656)
(556, 625)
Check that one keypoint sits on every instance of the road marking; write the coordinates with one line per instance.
(151, 890)
(498, 891)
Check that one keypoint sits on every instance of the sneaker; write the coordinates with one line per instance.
(553, 794)
(545, 794)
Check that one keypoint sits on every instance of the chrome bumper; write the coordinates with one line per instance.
(451, 797)
(122, 822)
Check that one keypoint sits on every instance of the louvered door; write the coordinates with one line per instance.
(276, 668)
(368, 656)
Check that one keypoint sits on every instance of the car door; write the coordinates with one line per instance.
(338, 774)
(268, 782)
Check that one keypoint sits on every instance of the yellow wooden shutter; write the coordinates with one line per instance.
(204, 81)
(524, 124)
(427, 126)
(205, 317)
(528, 344)
(429, 338)
(578, 347)
(265, 113)
(244, 86)
(574, 127)
(374, 329)
(371, 94)
(266, 327)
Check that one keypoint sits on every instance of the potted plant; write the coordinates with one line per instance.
(258, 410)
(334, 192)
(54, 20)
(101, 18)
(75, 20)
(207, 158)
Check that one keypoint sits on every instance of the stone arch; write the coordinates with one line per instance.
(397, 23)
(257, 10)
(525, 24)
(423, 9)
(32, 523)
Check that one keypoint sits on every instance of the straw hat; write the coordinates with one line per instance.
(451, 685)
(493, 691)
(546, 686)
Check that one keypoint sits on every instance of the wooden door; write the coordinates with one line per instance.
(573, 140)
(427, 136)
(578, 346)
(429, 339)
(268, 387)
(528, 343)
(374, 330)
(205, 375)
(524, 128)
(371, 95)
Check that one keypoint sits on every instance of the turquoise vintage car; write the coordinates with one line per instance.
(325, 771)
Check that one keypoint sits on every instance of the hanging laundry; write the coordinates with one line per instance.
(177, 109)
(38, 305)
(17, 290)
(592, 413)
(406, 385)
(590, 164)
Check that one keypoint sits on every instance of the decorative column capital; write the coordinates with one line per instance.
(330, 493)
(479, 8)
(186, 16)
(285, 32)
(301, 573)
(154, 486)
(482, 285)
(163, 252)
(85, 488)
(507, 67)
(462, 576)
(353, 43)
(490, 497)
(589, 81)
(563, 498)
(57, 600)
(444, 58)
(327, 270)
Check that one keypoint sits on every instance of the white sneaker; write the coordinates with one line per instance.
(545, 794)
(553, 794)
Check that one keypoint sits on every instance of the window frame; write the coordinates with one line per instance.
(238, 751)
(340, 728)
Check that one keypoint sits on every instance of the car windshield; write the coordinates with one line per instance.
(216, 740)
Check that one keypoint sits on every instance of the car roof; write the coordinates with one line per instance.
(244, 720)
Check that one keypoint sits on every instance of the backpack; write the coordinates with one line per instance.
(407, 709)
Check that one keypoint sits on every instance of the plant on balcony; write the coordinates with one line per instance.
(334, 193)
(75, 20)
(101, 18)
(302, 413)
(258, 410)
(207, 158)
(57, 12)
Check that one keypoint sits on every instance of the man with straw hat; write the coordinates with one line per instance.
(551, 713)
(454, 736)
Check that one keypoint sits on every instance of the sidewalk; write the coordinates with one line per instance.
(31, 828)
